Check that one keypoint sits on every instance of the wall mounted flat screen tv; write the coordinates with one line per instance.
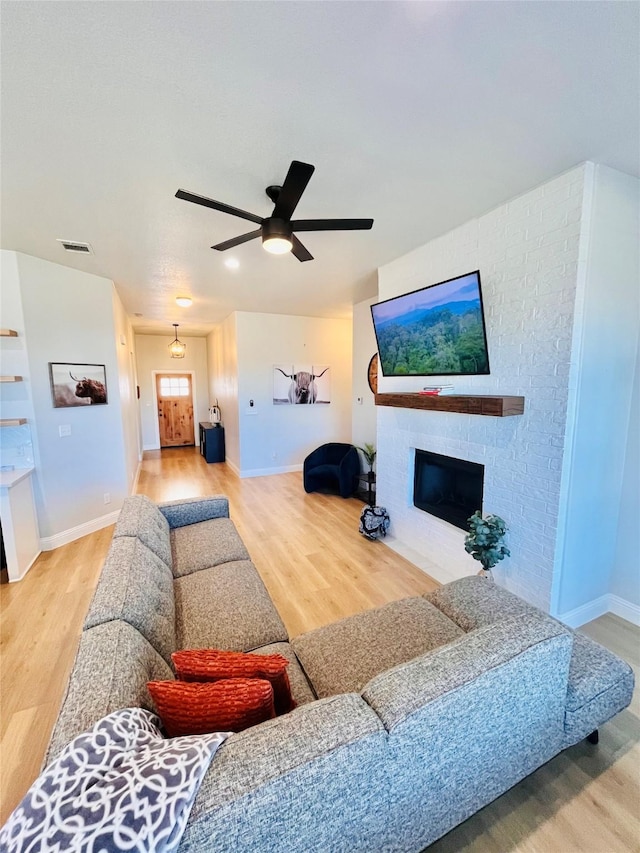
(436, 331)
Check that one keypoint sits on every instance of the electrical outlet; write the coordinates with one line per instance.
(107, 498)
(20, 450)
(64, 429)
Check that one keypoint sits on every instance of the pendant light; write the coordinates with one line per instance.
(176, 348)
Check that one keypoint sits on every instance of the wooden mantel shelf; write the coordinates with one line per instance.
(497, 405)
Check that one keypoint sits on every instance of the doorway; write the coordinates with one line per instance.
(174, 394)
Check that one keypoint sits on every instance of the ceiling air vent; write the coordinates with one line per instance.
(74, 246)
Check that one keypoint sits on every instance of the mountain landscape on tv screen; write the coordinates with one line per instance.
(430, 341)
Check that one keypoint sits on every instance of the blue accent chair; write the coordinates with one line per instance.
(333, 467)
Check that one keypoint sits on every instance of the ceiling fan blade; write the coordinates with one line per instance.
(237, 241)
(300, 251)
(332, 224)
(294, 185)
(218, 205)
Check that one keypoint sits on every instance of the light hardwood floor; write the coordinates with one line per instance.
(317, 569)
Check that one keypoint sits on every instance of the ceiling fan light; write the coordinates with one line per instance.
(176, 348)
(276, 236)
(277, 245)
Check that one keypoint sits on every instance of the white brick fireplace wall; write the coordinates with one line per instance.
(527, 252)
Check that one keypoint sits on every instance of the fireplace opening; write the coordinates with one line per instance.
(448, 488)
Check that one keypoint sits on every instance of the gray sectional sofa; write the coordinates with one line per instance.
(410, 717)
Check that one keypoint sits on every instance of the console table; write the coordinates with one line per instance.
(212, 441)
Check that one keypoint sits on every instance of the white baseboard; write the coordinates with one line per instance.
(233, 467)
(48, 543)
(265, 472)
(150, 447)
(23, 573)
(608, 603)
(134, 485)
(586, 612)
(624, 609)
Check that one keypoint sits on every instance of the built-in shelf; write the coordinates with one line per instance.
(497, 405)
(8, 333)
(12, 421)
(10, 378)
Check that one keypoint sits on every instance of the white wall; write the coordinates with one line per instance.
(222, 353)
(559, 268)
(527, 254)
(68, 317)
(605, 344)
(16, 443)
(625, 574)
(129, 410)
(152, 353)
(276, 438)
(363, 429)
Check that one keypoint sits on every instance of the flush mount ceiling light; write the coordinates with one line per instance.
(176, 348)
(232, 263)
(184, 301)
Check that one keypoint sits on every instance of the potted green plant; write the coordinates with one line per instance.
(485, 541)
(369, 453)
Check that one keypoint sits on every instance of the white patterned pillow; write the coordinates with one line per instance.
(121, 786)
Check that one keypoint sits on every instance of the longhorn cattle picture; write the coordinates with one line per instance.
(301, 385)
(77, 384)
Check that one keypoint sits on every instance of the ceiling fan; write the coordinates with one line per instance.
(277, 230)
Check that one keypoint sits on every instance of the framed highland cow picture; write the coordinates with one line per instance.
(306, 383)
(77, 384)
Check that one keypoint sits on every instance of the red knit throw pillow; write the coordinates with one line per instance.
(214, 664)
(222, 706)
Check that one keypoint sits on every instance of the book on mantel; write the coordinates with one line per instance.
(437, 390)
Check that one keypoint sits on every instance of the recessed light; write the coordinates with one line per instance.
(232, 263)
(184, 301)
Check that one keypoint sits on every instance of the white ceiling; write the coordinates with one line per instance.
(420, 115)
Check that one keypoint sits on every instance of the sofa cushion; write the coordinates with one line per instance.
(301, 690)
(141, 518)
(343, 657)
(600, 685)
(137, 587)
(226, 607)
(216, 665)
(197, 708)
(111, 670)
(474, 601)
(192, 510)
(205, 544)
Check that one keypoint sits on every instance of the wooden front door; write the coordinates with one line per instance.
(175, 409)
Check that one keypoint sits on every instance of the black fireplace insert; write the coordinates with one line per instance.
(448, 488)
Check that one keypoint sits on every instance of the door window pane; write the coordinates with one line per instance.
(174, 386)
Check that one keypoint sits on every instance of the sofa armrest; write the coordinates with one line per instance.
(407, 689)
(192, 510)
